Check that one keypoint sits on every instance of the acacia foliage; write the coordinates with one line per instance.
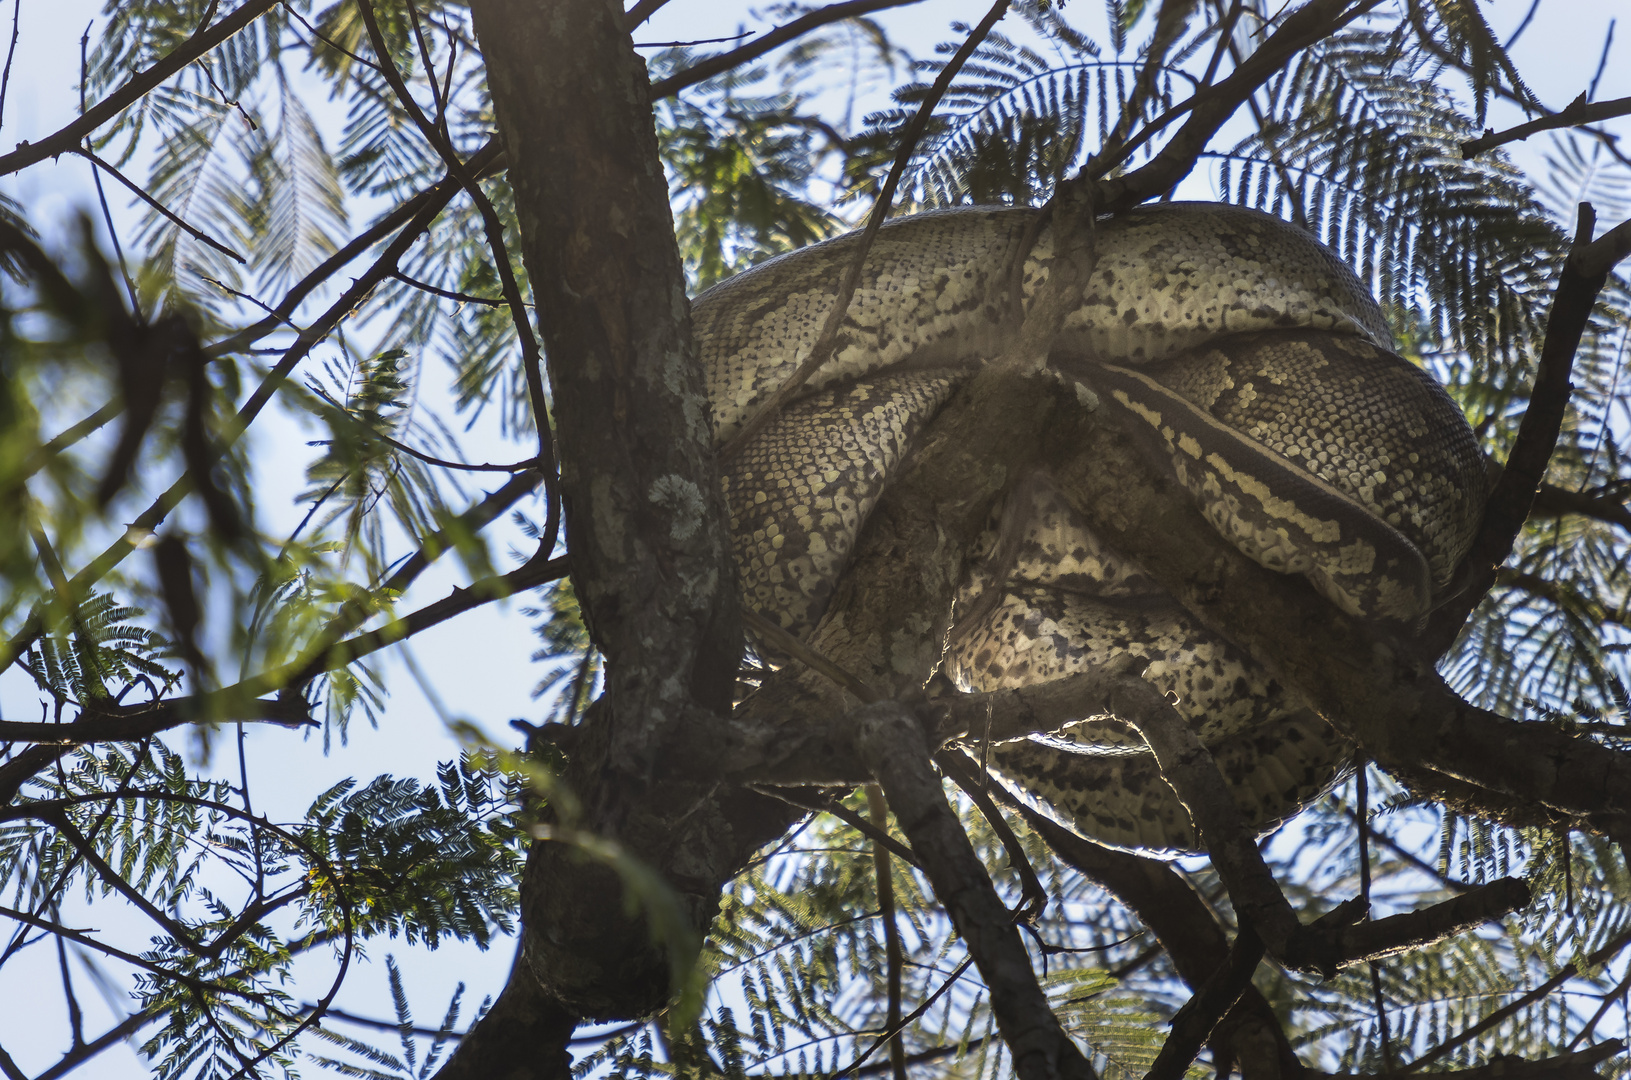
(1358, 138)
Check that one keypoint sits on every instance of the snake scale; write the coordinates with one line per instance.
(1241, 352)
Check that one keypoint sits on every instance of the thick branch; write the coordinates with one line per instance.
(1163, 901)
(1417, 929)
(646, 522)
(1584, 273)
(524, 1035)
(1010, 714)
(1553, 501)
(1194, 1022)
(1189, 768)
(105, 722)
(891, 744)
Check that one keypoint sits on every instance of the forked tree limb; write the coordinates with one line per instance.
(1188, 766)
(1193, 1024)
(1249, 1034)
(891, 743)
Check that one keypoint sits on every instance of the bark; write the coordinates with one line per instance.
(645, 521)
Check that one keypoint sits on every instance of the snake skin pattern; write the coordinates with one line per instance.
(1239, 350)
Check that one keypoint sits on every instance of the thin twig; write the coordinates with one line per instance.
(101, 195)
(821, 350)
(879, 837)
(416, 212)
(446, 294)
(707, 69)
(894, 1032)
(197, 234)
(1575, 113)
(879, 811)
(531, 359)
(1495, 1018)
(64, 139)
(11, 51)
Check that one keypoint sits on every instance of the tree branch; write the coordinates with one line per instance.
(891, 744)
(1580, 1065)
(1185, 927)
(416, 212)
(107, 722)
(1553, 501)
(1584, 273)
(65, 139)
(1567, 972)
(1189, 768)
(1416, 929)
(1574, 114)
(821, 348)
(707, 69)
(1193, 1023)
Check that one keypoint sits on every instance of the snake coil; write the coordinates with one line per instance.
(1242, 352)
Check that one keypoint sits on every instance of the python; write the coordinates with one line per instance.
(1239, 351)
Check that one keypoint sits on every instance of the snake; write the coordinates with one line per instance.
(1245, 357)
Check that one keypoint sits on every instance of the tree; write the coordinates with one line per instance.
(655, 792)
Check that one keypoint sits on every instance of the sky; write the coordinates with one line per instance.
(1557, 55)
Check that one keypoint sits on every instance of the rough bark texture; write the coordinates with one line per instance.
(522, 1037)
(645, 520)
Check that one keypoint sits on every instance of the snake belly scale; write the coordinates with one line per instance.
(1238, 350)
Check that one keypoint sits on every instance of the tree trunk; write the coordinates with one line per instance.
(645, 521)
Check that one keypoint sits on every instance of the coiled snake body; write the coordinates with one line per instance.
(1252, 360)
